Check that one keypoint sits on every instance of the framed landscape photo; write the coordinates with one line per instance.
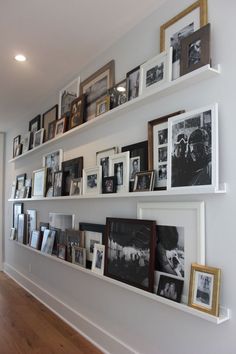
(16, 142)
(204, 289)
(77, 112)
(38, 138)
(179, 27)
(67, 95)
(98, 259)
(96, 86)
(144, 181)
(132, 83)
(39, 183)
(102, 105)
(118, 94)
(155, 72)
(170, 288)
(195, 50)
(72, 169)
(196, 165)
(92, 180)
(79, 256)
(48, 117)
(103, 159)
(119, 167)
(130, 251)
(180, 238)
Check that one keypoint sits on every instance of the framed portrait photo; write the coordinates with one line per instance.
(72, 169)
(73, 238)
(204, 289)
(98, 259)
(109, 184)
(93, 234)
(118, 94)
(96, 86)
(68, 94)
(58, 178)
(180, 238)
(79, 256)
(102, 105)
(52, 129)
(179, 27)
(119, 167)
(39, 183)
(53, 160)
(132, 83)
(193, 150)
(48, 117)
(144, 181)
(170, 288)
(16, 143)
(60, 126)
(92, 180)
(77, 112)
(18, 208)
(103, 159)
(38, 138)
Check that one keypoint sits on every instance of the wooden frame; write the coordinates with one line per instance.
(48, 117)
(102, 105)
(119, 167)
(39, 182)
(73, 169)
(195, 50)
(132, 83)
(67, 95)
(144, 181)
(92, 180)
(204, 289)
(77, 112)
(79, 256)
(98, 259)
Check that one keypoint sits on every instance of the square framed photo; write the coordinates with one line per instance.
(96, 86)
(130, 251)
(73, 238)
(16, 142)
(92, 180)
(179, 27)
(18, 208)
(103, 159)
(77, 112)
(155, 72)
(132, 83)
(158, 149)
(53, 160)
(72, 169)
(61, 251)
(118, 94)
(170, 288)
(39, 183)
(98, 259)
(180, 238)
(195, 50)
(102, 105)
(109, 184)
(35, 239)
(48, 117)
(60, 126)
(93, 234)
(204, 289)
(79, 256)
(38, 138)
(68, 94)
(35, 124)
(119, 167)
(144, 181)
(48, 241)
(26, 142)
(193, 150)
(76, 186)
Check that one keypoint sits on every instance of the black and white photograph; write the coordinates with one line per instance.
(102, 105)
(109, 184)
(155, 74)
(61, 126)
(118, 94)
(170, 288)
(130, 251)
(32, 222)
(26, 142)
(17, 209)
(118, 170)
(38, 138)
(73, 238)
(16, 143)
(79, 256)
(48, 241)
(35, 124)
(134, 167)
(132, 79)
(161, 173)
(57, 183)
(76, 186)
(91, 238)
(67, 95)
(163, 136)
(34, 240)
(204, 287)
(119, 167)
(102, 158)
(144, 181)
(176, 38)
(98, 259)
(53, 160)
(92, 180)
(162, 154)
(72, 169)
(61, 251)
(61, 221)
(48, 117)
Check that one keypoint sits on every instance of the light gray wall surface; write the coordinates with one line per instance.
(144, 325)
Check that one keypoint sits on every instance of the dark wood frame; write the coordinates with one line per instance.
(141, 174)
(128, 85)
(202, 34)
(14, 222)
(73, 236)
(104, 100)
(16, 142)
(151, 235)
(116, 95)
(178, 285)
(61, 245)
(38, 239)
(53, 124)
(46, 121)
(37, 120)
(62, 183)
(79, 114)
(114, 184)
(73, 169)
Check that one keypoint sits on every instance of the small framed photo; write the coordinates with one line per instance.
(60, 126)
(26, 142)
(52, 130)
(144, 181)
(155, 72)
(32, 221)
(195, 50)
(53, 160)
(39, 182)
(49, 183)
(61, 251)
(61, 221)
(18, 150)
(38, 138)
(72, 169)
(98, 259)
(77, 112)
(48, 241)
(118, 94)
(132, 82)
(13, 190)
(35, 124)
(102, 105)
(43, 226)
(67, 95)
(79, 256)
(58, 183)
(20, 181)
(109, 184)
(18, 208)
(119, 167)
(12, 234)
(204, 289)
(22, 228)
(48, 117)
(35, 239)
(76, 186)
(16, 143)
(170, 288)
(92, 180)
(102, 158)
(73, 238)
(179, 27)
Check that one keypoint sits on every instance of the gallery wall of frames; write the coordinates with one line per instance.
(162, 250)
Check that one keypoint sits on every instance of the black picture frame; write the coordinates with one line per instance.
(49, 182)
(18, 208)
(58, 182)
(144, 181)
(48, 117)
(118, 94)
(20, 181)
(57, 238)
(16, 143)
(35, 124)
(170, 288)
(109, 184)
(72, 169)
(132, 83)
(136, 266)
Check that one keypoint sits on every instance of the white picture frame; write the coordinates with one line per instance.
(72, 89)
(91, 239)
(197, 169)
(155, 72)
(25, 141)
(103, 159)
(92, 180)
(38, 137)
(189, 219)
(53, 160)
(98, 259)
(39, 183)
(76, 186)
(119, 167)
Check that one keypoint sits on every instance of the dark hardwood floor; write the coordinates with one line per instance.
(27, 326)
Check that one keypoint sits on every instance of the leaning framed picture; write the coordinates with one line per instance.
(39, 183)
(119, 167)
(132, 83)
(79, 256)
(103, 159)
(18, 208)
(35, 124)
(16, 142)
(38, 138)
(76, 186)
(180, 238)
(155, 72)
(67, 95)
(143, 181)
(130, 251)
(35, 239)
(48, 117)
(204, 289)
(118, 94)
(72, 169)
(26, 142)
(92, 180)
(98, 259)
(179, 27)
(73, 238)
(170, 288)
(77, 112)
(102, 105)
(60, 126)
(53, 160)
(48, 241)
(193, 150)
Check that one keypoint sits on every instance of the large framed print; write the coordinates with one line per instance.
(48, 117)
(67, 95)
(72, 169)
(96, 86)
(119, 167)
(92, 180)
(179, 27)
(158, 147)
(53, 160)
(103, 159)
(180, 238)
(155, 72)
(130, 251)
(193, 150)
(39, 183)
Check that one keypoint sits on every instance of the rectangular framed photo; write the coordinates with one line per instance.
(79, 256)
(52, 130)
(68, 94)
(26, 142)
(48, 117)
(39, 183)
(32, 222)
(77, 112)
(35, 124)
(35, 239)
(119, 167)
(73, 238)
(195, 50)
(16, 142)
(103, 159)
(38, 137)
(61, 221)
(96, 86)
(58, 178)
(92, 180)
(158, 148)
(204, 289)
(18, 208)
(72, 169)
(109, 184)
(118, 94)
(102, 105)
(170, 288)
(155, 72)
(22, 228)
(98, 259)
(179, 27)
(130, 251)
(76, 186)
(12, 234)
(144, 181)
(53, 160)
(20, 181)
(132, 83)
(48, 241)
(193, 150)
(61, 251)
(180, 238)
(60, 126)
(93, 234)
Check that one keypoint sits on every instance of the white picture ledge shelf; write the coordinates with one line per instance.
(203, 73)
(224, 312)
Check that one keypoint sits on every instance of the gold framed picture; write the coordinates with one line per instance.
(102, 105)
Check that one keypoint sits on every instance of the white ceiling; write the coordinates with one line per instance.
(58, 37)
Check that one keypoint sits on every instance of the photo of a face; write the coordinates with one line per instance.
(194, 53)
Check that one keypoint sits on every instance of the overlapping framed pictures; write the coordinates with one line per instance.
(118, 94)
(102, 105)
(48, 117)
(73, 238)
(109, 184)
(35, 239)
(119, 167)
(98, 259)
(22, 228)
(132, 82)
(48, 241)
(39, 183)
(93, 234)
(79, 256)
(103, 159)
(67, 95)
(92, 180)
(18, 208)
(35, 124)
(77, 112)
(53, 160)
(170, 288)
(72, 169)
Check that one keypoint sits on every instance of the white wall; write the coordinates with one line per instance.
(1, 195)
(146, 326)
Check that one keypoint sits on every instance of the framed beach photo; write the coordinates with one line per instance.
(180, 238)
(79, 256)
(119, 167)
(132, 83)
(179, 27)
(92, 180)
(204, 289)
(144, 181)
(98, 259)
(103, 159)
(102, 105)
(39, 183)
(48, 117)
(68, 94)
(38, 138)
(77, 112)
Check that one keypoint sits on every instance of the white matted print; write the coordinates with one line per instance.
(92, 180)
(180, 238)
(119, 167)
(155, 72)
(91, 238)
(98, 259)
(193, 150)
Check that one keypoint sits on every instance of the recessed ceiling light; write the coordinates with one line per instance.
(20, 57)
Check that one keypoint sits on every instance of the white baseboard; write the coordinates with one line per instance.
(103, 340)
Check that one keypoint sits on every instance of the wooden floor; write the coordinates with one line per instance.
(27, 326)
